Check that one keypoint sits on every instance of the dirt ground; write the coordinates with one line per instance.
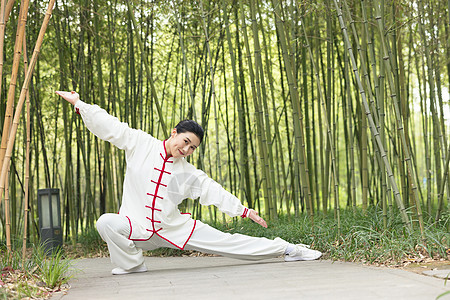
(419, 268)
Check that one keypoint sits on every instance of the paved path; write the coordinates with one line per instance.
(224, 278)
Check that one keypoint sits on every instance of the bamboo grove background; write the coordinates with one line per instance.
(308, 106)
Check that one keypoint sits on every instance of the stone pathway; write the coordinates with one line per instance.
(220, 278)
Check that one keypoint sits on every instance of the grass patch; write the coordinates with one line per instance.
(362, 239)
(36, 277)
(89, 244)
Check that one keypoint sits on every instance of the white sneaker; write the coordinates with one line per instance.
(138, 269)
(302, 252)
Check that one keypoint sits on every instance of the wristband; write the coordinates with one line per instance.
(245, 214)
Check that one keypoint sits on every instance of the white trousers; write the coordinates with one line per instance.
(115, 229)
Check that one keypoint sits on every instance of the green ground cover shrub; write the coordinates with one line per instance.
(38, 276)
(362, 239)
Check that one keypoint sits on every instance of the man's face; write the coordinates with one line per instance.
(183, 144)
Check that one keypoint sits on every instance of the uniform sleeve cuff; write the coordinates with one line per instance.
(78, 105)
(245, 213)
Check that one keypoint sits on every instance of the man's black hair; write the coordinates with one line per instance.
(190, 126)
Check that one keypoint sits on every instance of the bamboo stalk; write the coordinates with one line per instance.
(259, 122)
(437, 72)
(22, 97)
(5, 10)
(27, 157)
(400, 129)
(7, 214)
(438, 141)
(17, 52)
(245, 183)
(423, 105)
(213, 92)
(147, 68)
(298, 116)
(446, 165)
(279, 154)
(264, 113)
(442, 187)
(13, 81)
(332, 104)
(350, 129)
(187, 76)
(2, 39)
(368, 85)
(107, 146)
(9, 109)
(288, 138)
(68, 184)
(329, 131)
(379, 107)
(309, 131)
(373, 129)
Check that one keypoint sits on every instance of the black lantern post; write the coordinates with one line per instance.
(49, 219)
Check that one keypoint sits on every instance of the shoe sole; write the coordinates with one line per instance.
(288, 258)
(128, 272)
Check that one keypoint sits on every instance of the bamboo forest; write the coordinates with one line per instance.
(310, 109)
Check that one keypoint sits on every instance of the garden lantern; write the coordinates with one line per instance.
(49, 219)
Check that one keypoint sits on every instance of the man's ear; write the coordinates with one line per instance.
(174, 131)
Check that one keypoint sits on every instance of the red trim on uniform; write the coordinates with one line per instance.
(181, 248)
(153, 221)
(154, 208)
(131, 227)
(159, 181)
(244, 215)
(77, 110)
(195, 223)
(165, 151)
(187, 240)
(142, 240)
(155, 196)
(162, 171)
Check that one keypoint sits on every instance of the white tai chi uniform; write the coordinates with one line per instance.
(154, 185)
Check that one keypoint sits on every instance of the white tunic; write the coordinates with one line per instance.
(156, 183)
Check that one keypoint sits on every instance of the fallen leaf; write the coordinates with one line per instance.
(8, 269)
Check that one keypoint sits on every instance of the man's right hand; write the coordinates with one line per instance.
(71, 97)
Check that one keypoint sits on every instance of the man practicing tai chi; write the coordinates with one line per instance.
(157, 179)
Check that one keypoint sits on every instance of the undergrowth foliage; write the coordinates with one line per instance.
(89, 244)
(362, 236)
(38, 276)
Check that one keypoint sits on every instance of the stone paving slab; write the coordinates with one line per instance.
(225, 278)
